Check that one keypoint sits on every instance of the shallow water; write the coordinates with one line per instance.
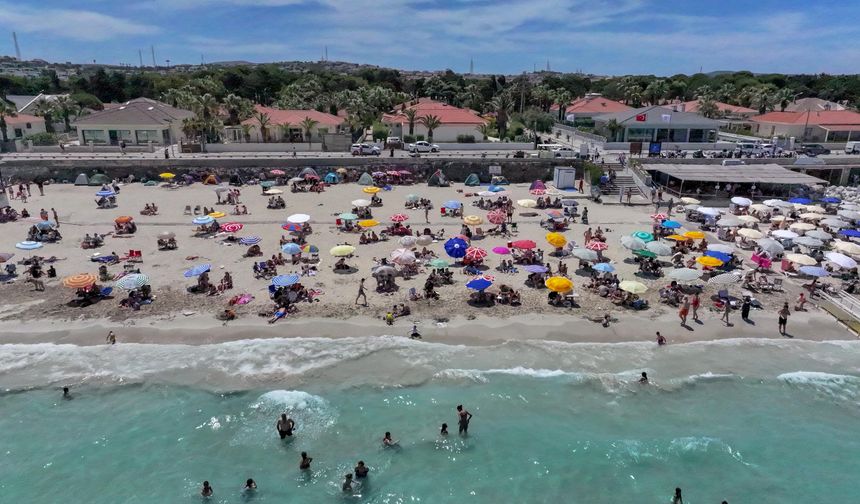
(744, 421)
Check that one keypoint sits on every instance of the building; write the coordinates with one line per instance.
(822, 126)
(726, 110)
(26, 104)
(285, 126)
(656, 124)
(24, 125)
(582, 111)
(455, 122)
(813, 105)
(137, 122)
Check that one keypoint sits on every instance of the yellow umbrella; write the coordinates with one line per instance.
(557, 240)
(709, 261)
(802, 259)
(342, 250)
(694, 235)
(676, 237)
(473, 220)
(167, 175)
(369, 223)
(527, 203)
(217, 215)
(559, 284)
(371, 190)
(633, 287)
(80, 280)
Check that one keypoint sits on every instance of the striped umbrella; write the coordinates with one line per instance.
(724, 279)
(497, 217)
(399, 217)
(596, 245)
(197, 270)
(203, 220)
(232, 227)
(28, 245)
(293, 228)
(285, 280)
(291, 248)
(250, 240)
(310, 249)
(402, 256)
(475, 254)
(105, 193)
(80, 280)
(132, 281)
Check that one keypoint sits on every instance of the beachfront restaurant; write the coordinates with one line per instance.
(656, 124)
(711, 180)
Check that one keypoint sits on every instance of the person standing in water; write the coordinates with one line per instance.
(388, 441)
(347, 483)
(111, 338)
(361, 470)
(250, 485)
(207, 490)
(783, 318)
(285, 426)
(677, 499)
(444, 430)
(644, 378)
(305, 463)
(464, 417)
(66, 394)
(660, 339)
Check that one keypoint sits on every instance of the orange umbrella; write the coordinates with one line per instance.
(80, 280)
(123, 219)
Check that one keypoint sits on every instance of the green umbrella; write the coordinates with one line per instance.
(644, 253)
(644, 236)
(439, 263)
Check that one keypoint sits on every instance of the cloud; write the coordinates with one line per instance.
(73, 24)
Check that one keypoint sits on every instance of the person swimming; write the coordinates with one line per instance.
(444, 430)
(388, 441)
(464, 418)
(285, 426)
(305, 462)
(361, 470)
(250, 485)
(207, 490)
(347, 483)
(644, 377)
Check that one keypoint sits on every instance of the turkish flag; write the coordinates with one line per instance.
(641, 117)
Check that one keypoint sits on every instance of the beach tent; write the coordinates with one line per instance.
(537, 185)
(499, 180)
(99, 179)
(82, 179)
(309, 173)
(331, 178)
(438, 179)
(473, 180)
(210, 180)
(366, 179)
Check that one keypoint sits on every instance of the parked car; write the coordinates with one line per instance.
(364, 150)
(813, 149)
(852, 148)
(395, 142)
(565, 152)
(422, 146)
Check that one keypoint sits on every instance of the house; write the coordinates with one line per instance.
(726, 110)
(24, 125)
(285, 126)
(813, 105)
(582, 111)
(137, 122)
(455, 122)
(657, 124)
(821, 126)
(26, 104)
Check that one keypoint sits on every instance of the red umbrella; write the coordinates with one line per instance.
(538, 192)
(399, 217)
(489, 278)
(596, 245)
(292, 227)
(497, 217)
(660, 216)
(524, 244)
(476, 253)
(232, 227)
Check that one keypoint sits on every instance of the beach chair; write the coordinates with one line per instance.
(776, 286)
(723, 294)
(479, 234)
(135, 256)
(187, 210)
(197, 210)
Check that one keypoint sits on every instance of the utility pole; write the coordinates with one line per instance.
(140, 56)
(17, 47)
(522, 93)
(154, 64)
(471, 66)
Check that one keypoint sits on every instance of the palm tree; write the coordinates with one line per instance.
(6, 110)
(237, 108)
(503, 105)
(726, 93)
(64, 106)
(308, 124)
(285, 131)
(192, 127)
(431, 122)
(45, 110)
(411, 116)
(613, 127)
(655, 91)
(246, 132)
(563, 97)
(708, 107)
(484, 130)
(263, 121)
(761, 99)
(783, 97)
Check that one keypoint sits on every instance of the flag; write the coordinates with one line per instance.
(641, 117)
(666, 117)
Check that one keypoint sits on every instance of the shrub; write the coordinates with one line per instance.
(380, 132)
(419, 137)
(465, 138)
(519, 130)
(42, 139)
(408, 139)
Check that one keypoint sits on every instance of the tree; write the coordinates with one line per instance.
(45, 109)
(614, 128)
(64, 107)
(656, 91)
(246, 132)
(411, 116)
(285, 131)
(263, 121)
(192, 127)
(485, 130)
(708, 107)
(563, 97)
(431, 122)
(502, 104)
(238, 109)
(6, 110)
(783, 97)
(308, 124)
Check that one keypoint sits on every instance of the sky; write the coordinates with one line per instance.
(608, 37)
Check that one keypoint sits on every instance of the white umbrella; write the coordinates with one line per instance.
(750, 233)
(724, 279)
(834, 223)
(713, 212)
(849, 206)
(847, 247)
(361, 203)
(780, 218)
(777, 203)
(819, 235)
(841, 260)
(771, 246)
(748, 219)
(758, 207)
(785, 234)
(408, 241)
(739, 201)
(403, 256)
(690, 201)
(808, 242)
(424, 240)
(728, 222)
(691, 207)
(661, 249)
(298, 218)
(815, 209)
(718, 247)
(584, 254)
(632, 243)
(685, 274)
(812, 216)
(802, 259)
(849, 214)
(802, 226)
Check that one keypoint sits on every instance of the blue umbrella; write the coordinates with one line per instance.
(479, 284)
(106, 193)
(198, 270)
(495, 188)
(28, 245)
(670, 224)
(816, 271)
(831, 199)
(800, 201)
(203, 219)
(266, 184)
(718, 255)
(285, 280)
(452, 204)
(250, 240)
(348, 216)
(535, 268)
(291, 248)
(48, 224)
(604, 267)
(456, 247)
(853, 233)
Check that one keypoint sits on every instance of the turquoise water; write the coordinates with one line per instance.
(741, 421)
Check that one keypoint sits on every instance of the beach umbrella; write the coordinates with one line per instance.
(277, 172)
(557, 240)
(535, 268)
(633, 287)
(596, 245)
(851, 233)
(456, 247)
(473, 220)
(268, 183)
(408, 241)
(709, 261)
(771, 246)
(739, 201)
(424, 240)
(802, 259)
(659, 216)
(831, 200)
(5, 256)
(292, 228)
(501, 250)
(272, 192)
(132, 281)
(475, 254)
(291, 248)
(670, 224)
(554, 214)
(167, 175)
(841, 260)
(718, 255)
(298, 218)
(250, 240)
(814, 271)
(368, 223)
(780, 218)
(834, 223)
(690, 201)
(558, 284)
(849, 206)
(802, 226)
(221, 189)
(758, 207)
(808, 241)
(719, 247)
(497, 217)
(537, 192)
(462, 237)
(80, 280)
(412, 198)
(777, 203)
(527, 203)
(785, 234)
(361, 203)
(197, 270)
(438, 263)
(849, 214)
(203, 220)
(399, 217)
(478, 284)
(342, 250)
(370, 190)
(748, 219)
(661, 249)
(524, 244)
(402, 256)
(816, 209)
(166, 235)
(812, 216)
(310, 249)
(685, 274)
(690, 208)
(676, 237)
(724, 279)
(709, 211)
(217, 215)
(487, 194)
(800, 201)
(384, 271)
(728, 222)
(604, 267)
(285, 280)
(643, 235)
(452, 204)
(750, 233)
(632, 243)
(123, 219)
(48, 224)
(28, 245)
(584, 254)
(232, 227)
(105, 193)
(347, 216)
(846, 247)
(694, 235)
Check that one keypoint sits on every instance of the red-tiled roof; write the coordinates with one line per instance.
(594, 105)
(822, 118)
(23, 119)
(693, 106)
(447, 114)
(295, 117)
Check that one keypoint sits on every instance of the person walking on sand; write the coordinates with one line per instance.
(111, 338)
(56, 217)
(727, 308)
(783, 318)
(427, 214)
(694, 303)
(362, 293)
(745, 309)
(464, 417)
(629, 195)
(685, 309)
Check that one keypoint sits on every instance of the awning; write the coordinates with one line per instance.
(742, 174)
(840, 127)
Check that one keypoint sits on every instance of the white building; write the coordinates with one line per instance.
(137, 122)
(455, 121)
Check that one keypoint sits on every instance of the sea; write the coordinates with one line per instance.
(745, 421)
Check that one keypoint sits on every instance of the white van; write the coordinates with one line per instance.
(748, 148)
(852, 148)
